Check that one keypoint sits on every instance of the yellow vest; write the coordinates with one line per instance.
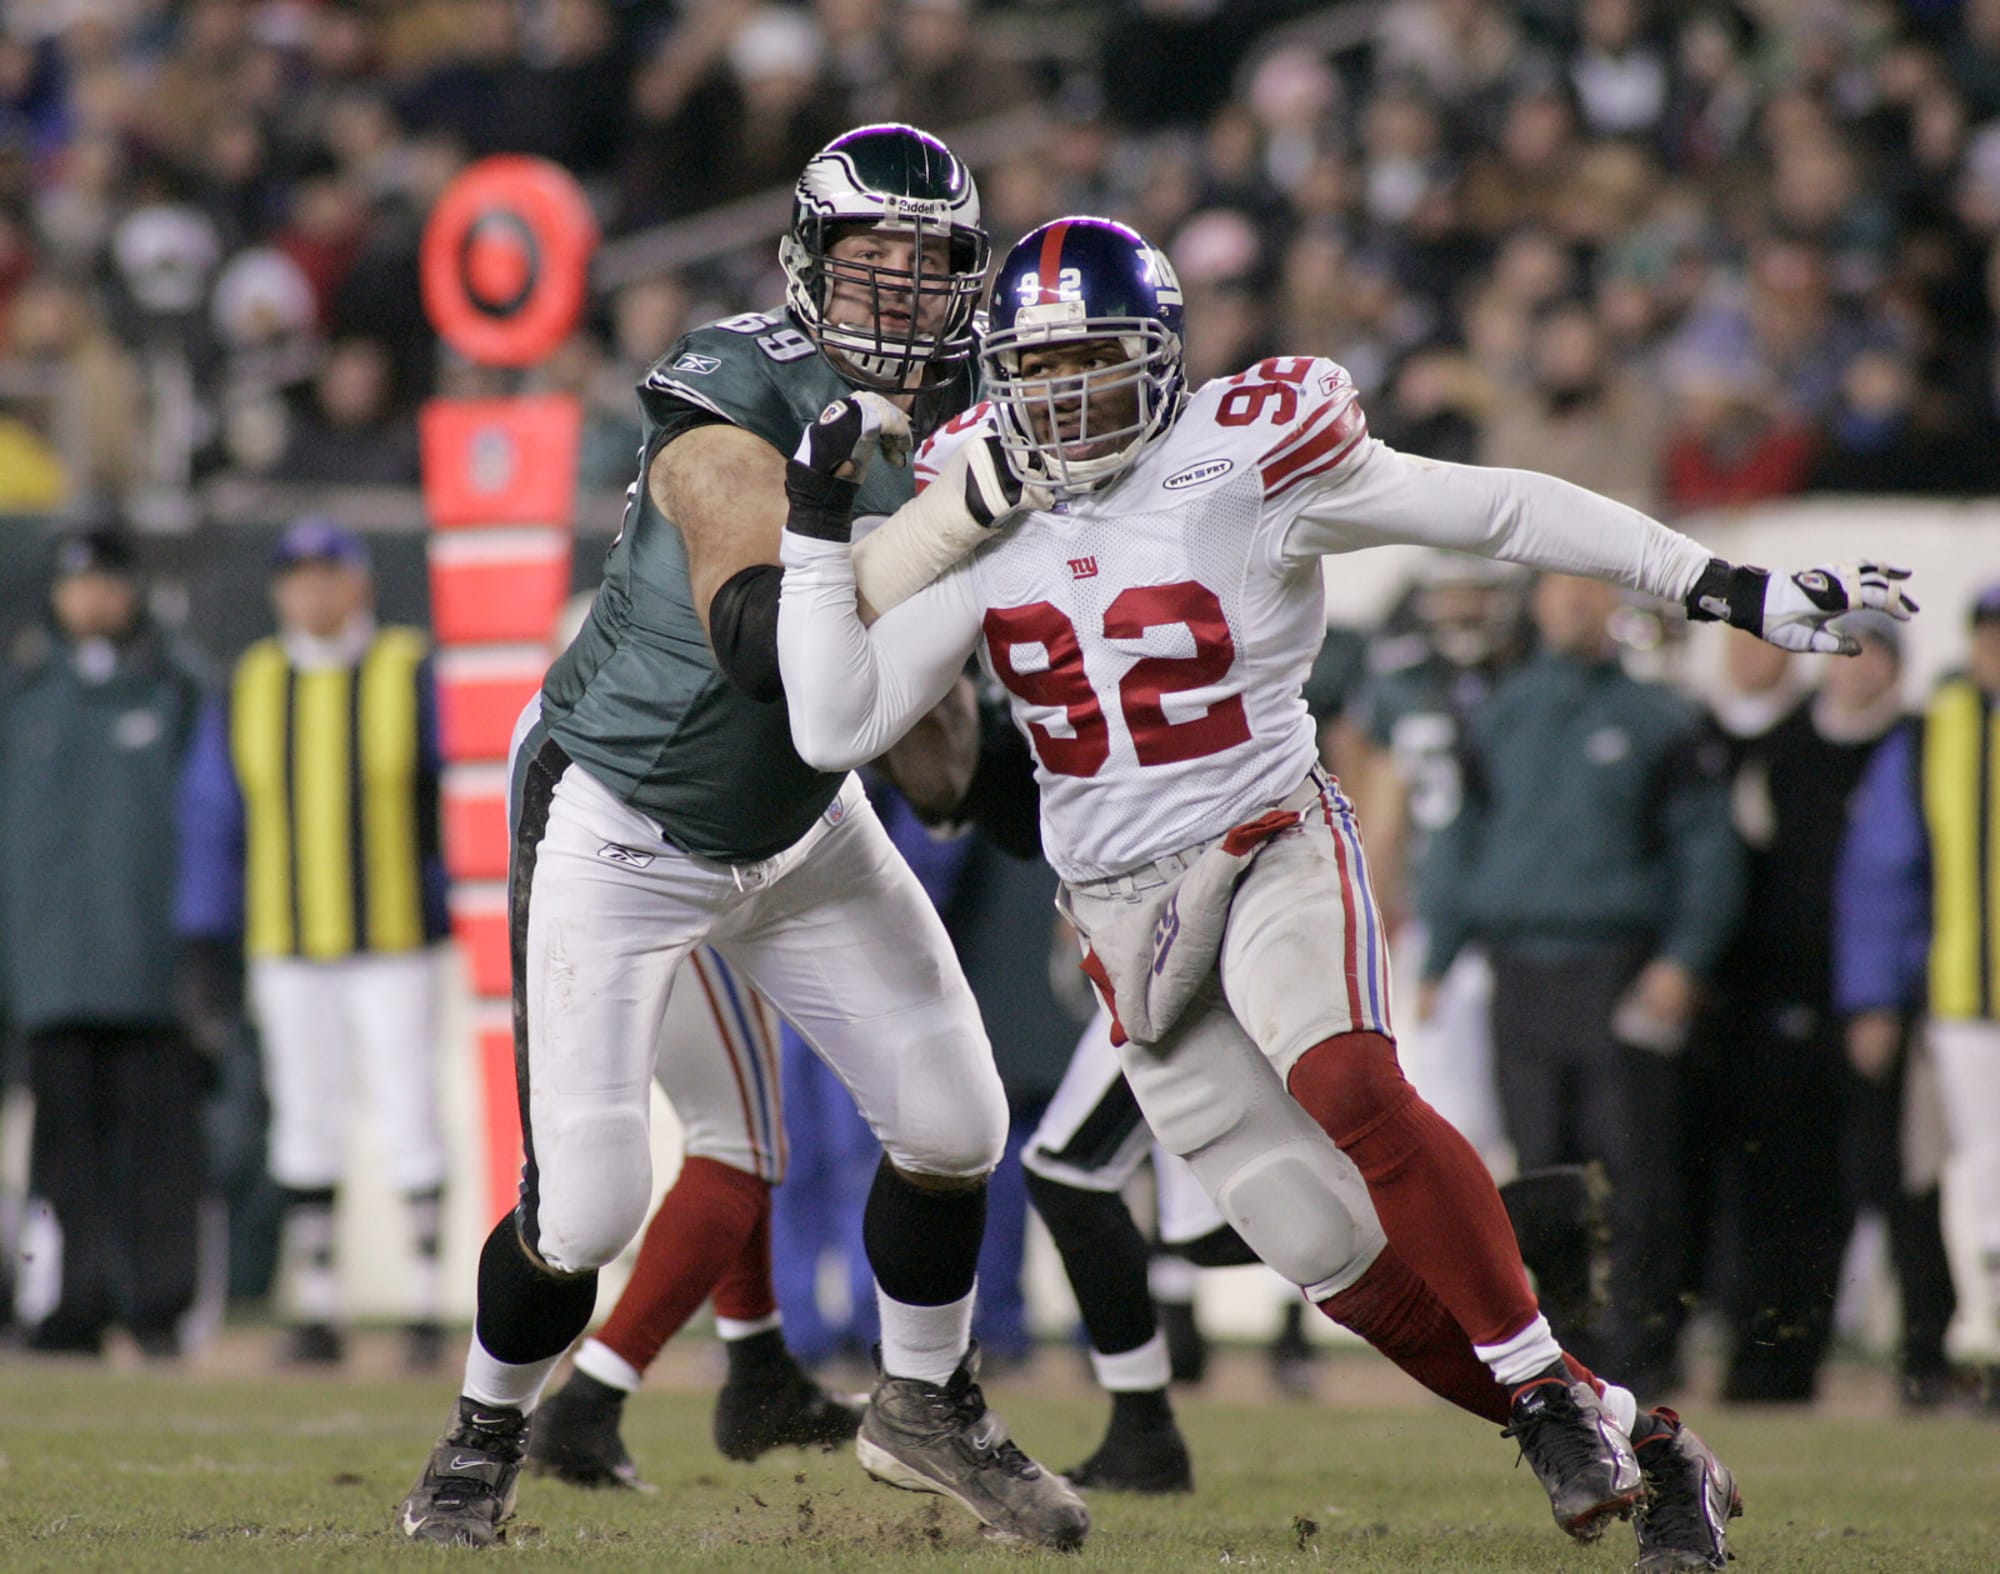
(1961, 787)
(328, 764)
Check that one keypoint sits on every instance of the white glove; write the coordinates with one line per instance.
(978, 475)
(1793, 611)
(849, 432)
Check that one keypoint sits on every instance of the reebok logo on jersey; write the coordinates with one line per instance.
(1194, 475)
(631, 857)
(1083, 568)
(700, 365)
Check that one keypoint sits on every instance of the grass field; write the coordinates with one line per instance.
(142, 1471)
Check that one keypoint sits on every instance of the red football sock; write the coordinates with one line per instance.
(1396, 1312)
(1583, 1374)
(1435, 1198)
(697, 1235)
(745, 1293)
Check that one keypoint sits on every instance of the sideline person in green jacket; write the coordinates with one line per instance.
(94, 729)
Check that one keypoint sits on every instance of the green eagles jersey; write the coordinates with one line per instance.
(1417, 705)
(637, 699)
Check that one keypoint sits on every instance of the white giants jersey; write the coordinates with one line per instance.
(1151, 635)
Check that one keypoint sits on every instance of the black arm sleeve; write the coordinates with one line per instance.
(743, 627)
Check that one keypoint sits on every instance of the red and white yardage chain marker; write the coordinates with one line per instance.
(505, 264)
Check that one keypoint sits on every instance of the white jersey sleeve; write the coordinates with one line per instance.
(1333, 488)
(851, 691)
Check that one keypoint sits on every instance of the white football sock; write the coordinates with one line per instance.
(926, 1342)
(1513, 1361)
(597, 1359)
(1134, 1371)
(492, 1381)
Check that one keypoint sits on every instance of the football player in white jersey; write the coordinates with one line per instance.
(1152, 610)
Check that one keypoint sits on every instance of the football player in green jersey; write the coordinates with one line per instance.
(658, 805)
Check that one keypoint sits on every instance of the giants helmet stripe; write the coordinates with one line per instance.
(1049, 268)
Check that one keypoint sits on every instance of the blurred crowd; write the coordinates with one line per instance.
(1690, 255)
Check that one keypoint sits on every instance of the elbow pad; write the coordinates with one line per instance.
(743, 628)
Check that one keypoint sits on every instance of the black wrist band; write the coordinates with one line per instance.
(1726, 592)
(822, 506)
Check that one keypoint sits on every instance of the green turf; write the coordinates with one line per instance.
(140, 1472)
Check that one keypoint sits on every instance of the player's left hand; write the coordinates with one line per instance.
(978, 475)
(1793, 611)
(848, 434)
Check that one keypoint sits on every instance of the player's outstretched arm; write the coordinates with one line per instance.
(853, 691)
(1521, 516)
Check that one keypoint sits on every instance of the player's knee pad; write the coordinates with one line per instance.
(959, 1131)
(934, 1153)
(577, 1244)
(1299, 1204)
(593, 1189)
(1349, 1084)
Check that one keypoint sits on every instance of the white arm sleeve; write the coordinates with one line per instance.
(853, 691)
(1519, 516)
(912, 547)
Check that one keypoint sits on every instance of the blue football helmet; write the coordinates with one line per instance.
(1071, 282)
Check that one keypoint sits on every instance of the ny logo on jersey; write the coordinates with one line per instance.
(1083, 568)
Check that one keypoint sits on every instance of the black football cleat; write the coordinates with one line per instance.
(771, 1403)
(313, 1344)
(1690, 1499)
(465, 1495)
(576, 1437)
(1584, 1463)
(1153, 1462)
(940, 1437)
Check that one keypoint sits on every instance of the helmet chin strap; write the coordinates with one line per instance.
(892, 375)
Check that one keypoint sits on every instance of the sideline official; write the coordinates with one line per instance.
(312, 831)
